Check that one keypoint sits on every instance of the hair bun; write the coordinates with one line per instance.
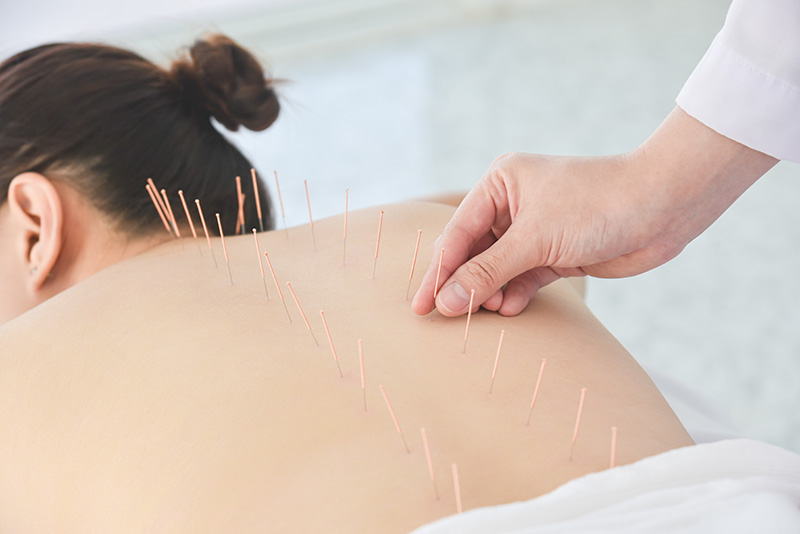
(228, 82)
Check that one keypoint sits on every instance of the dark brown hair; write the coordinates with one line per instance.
(106, 119)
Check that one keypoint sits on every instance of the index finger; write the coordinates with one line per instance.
(471, 223)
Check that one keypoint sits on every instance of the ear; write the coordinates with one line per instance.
(37, 218)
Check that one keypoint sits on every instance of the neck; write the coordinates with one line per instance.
(90, 249)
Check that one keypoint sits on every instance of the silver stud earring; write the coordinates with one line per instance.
(34, 270)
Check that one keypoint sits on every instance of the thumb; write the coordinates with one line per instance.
(485, 273)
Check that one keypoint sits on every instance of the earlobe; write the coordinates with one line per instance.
(38, 219)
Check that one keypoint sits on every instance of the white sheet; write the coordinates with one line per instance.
(701, 415)
(727, 486)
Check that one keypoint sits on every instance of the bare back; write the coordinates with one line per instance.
(157, 396)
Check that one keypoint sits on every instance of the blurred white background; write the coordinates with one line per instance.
(398, 99)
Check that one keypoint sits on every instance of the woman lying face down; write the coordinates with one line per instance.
(82, 126)
(157, 392)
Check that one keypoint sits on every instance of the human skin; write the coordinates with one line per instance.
(51, 238)
(156, 396)
(533, 219)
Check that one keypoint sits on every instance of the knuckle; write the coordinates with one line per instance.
(504, 158)
(485, 271)
(498, 166)
(499, 159)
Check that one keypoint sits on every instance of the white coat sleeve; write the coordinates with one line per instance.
(747, 86)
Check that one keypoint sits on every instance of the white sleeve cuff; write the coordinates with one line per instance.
(736, 98)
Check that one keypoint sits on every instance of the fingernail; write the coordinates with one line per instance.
(453, 298)
(414, 298)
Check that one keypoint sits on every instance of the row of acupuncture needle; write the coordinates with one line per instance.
(170, 223)
(167, 217)
(165, 208)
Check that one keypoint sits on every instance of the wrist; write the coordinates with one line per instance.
(688, 175)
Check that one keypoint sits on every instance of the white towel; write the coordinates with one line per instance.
(727, 486)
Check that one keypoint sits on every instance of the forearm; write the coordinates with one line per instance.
(689, 175)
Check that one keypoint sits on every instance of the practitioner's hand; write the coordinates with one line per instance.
(532, 219)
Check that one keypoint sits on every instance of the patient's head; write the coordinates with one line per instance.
(82, 127)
